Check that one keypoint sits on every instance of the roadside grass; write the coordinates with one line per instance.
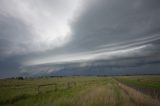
(146, 81)
(104, 94)
(138, 97)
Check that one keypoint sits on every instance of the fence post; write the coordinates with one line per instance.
(38, 89)
(56, 87)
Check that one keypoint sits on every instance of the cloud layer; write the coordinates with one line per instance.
(53, 35)
(34, 25)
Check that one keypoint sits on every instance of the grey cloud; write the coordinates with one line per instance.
(14, 35)
(111, 21)
(147, 56)
(34, 25)
(104, 33)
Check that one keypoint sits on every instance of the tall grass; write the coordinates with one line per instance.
(71, 91)
(138, 97)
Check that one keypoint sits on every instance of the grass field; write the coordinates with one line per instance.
(146, 81)
(78, 91)
(149, 85)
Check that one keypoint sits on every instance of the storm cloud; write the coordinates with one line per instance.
(38, 37)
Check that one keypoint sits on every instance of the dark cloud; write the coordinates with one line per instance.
(112, 21)
(104, 33)
(14, 34)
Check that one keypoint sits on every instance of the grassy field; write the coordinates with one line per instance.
(149, 85)
(77, 91)
(146, 81)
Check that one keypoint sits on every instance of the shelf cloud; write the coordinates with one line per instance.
(39, 37)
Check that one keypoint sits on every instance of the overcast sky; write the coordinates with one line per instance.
(34, 33)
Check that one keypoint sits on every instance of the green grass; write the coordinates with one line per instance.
(70, 91)
(146, 81)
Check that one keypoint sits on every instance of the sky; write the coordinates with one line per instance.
(69, 37)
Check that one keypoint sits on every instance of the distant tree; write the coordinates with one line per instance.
(20, 78)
